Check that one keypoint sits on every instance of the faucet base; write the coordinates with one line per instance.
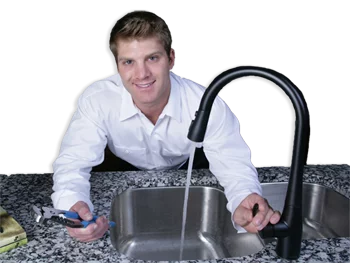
(289, 247)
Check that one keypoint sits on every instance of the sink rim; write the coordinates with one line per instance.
(219, 188)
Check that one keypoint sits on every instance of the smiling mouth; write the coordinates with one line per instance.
(145, 85)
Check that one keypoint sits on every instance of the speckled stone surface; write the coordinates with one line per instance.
(53, 244)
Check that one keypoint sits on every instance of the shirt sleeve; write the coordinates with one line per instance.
(229, 157)
(82, 148)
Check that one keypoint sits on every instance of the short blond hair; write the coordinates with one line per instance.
(139, 25)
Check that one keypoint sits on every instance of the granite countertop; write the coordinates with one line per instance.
(53, 244)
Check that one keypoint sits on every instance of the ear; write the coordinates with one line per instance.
(172, 59)
(116, 64)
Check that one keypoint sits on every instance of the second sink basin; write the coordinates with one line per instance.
(149, 221)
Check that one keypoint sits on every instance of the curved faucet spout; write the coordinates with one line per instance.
(289, 229)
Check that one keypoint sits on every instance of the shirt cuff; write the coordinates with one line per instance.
(65, 199)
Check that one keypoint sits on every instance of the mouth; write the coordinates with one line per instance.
(144, 85)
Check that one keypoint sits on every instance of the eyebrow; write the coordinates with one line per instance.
(150, 55)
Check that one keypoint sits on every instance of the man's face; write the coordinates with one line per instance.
(144, 68)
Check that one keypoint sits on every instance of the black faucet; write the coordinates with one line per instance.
(289, 229)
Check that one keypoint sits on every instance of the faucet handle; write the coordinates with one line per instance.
(280, 229)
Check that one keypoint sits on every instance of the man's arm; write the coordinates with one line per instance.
(82, 148)
(230, 161)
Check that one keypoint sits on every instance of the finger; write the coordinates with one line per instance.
(83, 210)
(260, 217)
(95, 232)
(266, 220)
(242, 216)
(71, 231)
(103, 226)
(82, 233)
(275, 217)
(100, 227)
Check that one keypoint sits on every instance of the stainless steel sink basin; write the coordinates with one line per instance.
(149, 221)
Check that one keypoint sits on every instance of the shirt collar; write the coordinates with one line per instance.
(172, 109)
(127, 107)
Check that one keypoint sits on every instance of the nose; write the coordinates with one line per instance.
(142, 71)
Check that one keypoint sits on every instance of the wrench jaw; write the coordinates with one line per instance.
(45, 214)
(50, 212)
(38, 215)
(41, 220)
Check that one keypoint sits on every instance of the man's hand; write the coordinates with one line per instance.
(243, 215)
(93, 231)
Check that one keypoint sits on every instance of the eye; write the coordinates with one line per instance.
(153, 58)
(127, 62)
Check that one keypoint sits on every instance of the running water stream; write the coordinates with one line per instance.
(184, 213)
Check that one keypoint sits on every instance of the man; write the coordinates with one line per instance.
(143, 114)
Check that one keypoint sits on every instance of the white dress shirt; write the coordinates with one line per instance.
(106, 114)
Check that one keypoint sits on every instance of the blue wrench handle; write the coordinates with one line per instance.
(72, 215)
(86, 223)
(75, 215)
